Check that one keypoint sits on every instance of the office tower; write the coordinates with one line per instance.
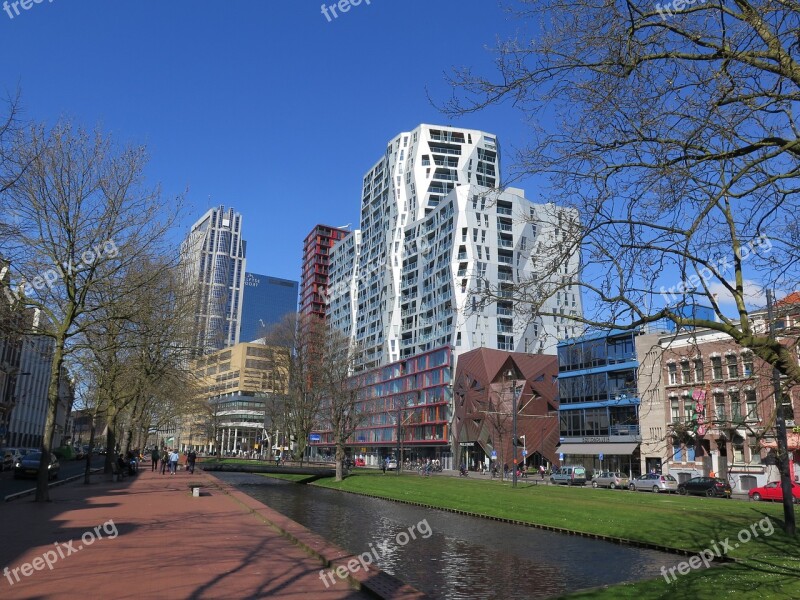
(266, 300)
(315, 271)
(213, 262)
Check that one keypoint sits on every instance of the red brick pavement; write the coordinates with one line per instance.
(160, 542)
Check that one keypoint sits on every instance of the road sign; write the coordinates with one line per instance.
(494, 454)
(601, 456)
(560, 456)
(524, 453)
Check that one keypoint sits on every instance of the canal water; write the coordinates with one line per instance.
(455, 556)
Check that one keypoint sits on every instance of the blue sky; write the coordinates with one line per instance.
(261, 105)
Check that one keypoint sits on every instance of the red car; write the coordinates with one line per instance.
(773, 491)
(360, 462)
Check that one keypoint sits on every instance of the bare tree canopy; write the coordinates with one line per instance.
(672, 128)
(82, 221)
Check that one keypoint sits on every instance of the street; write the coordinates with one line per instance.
(9, 485)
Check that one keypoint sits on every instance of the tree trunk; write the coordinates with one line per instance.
(88, 471)
(42, 480)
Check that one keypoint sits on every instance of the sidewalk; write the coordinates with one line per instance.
(148, 537)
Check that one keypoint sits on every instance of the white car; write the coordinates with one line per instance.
(391, 464)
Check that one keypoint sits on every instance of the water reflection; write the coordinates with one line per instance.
(463, 557)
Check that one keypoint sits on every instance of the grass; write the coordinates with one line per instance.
(768, 567)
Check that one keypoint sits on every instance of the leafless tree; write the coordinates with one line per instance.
(341, 410)
(84, 218)
(674, 134)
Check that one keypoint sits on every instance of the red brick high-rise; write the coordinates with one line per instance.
(316, 265)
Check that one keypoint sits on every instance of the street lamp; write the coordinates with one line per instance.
(524, 447)
(510, 374)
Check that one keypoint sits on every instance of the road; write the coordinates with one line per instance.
(9, 485)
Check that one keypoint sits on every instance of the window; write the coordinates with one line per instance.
(716, 368)
(733, 366)
(747, 364)
(672, 374)
(698, 370)
(719, 407)
(736, 406)
(685, 372)
(676, 411)
(687, 409)
(752, 406)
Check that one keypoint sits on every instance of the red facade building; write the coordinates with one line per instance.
(316, 264)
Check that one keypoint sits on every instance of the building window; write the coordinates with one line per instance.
(747, 364)
(672, 374)
(752, 405)
(738, 453)
(736, 406)
(676, 411)
(687, 410)
(685, 372)
(716, 368)
(719, 407)
(733, 366)
(698, 370)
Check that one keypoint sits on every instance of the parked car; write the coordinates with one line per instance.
(360, 462)
(28, 466)
(611, 480)
(705, 486)
(773, 491)
(654, 482)
(391, 465)
(569, 475)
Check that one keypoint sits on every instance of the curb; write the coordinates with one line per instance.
(596, 536)
(57, 483)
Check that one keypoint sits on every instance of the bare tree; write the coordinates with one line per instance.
(298, 342)
(674, 134)
(83, 219)
(341, 410)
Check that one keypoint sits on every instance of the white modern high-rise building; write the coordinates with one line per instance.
(213, 263)
(434, 230)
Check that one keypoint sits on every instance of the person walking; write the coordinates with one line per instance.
(190, 460)
(173, 462)
(164, 460)
(154, 456)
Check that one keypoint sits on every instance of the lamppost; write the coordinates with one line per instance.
(524, 447)
(510, 374)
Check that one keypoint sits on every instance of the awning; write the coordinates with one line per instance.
(595, 449)
(793, 440)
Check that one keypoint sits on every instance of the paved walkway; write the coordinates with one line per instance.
(148, 537)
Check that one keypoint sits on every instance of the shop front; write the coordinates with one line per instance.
(597, 456)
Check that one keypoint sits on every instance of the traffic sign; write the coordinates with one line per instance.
(494, 454)
(560, 456)
(601, 456)
(524, 453)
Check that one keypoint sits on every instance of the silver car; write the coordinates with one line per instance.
(611, 480)
(654, 482)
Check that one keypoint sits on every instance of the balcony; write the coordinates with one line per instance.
(504, 210)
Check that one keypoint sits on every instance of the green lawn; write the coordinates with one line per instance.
(770, 563)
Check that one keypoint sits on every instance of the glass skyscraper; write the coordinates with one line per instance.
(266, 301)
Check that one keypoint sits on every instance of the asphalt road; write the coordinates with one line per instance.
(9, 485)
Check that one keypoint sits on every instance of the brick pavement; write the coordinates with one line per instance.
(148, 537)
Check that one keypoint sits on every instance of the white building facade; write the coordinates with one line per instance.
(435, 231)
(213, 261)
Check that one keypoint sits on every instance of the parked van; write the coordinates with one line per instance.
(569, 475)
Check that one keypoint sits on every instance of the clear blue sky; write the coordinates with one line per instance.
(263, 105)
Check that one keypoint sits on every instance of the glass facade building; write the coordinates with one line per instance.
(599, 401)
(416, 393)
(266, 300)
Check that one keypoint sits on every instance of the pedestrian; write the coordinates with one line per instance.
(164, 460)
(190, 460)
(154, 456)
(541, 471)
(173, 461)
(384, 463)
(277, 459)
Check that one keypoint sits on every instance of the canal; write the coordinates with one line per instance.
(455, 556)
